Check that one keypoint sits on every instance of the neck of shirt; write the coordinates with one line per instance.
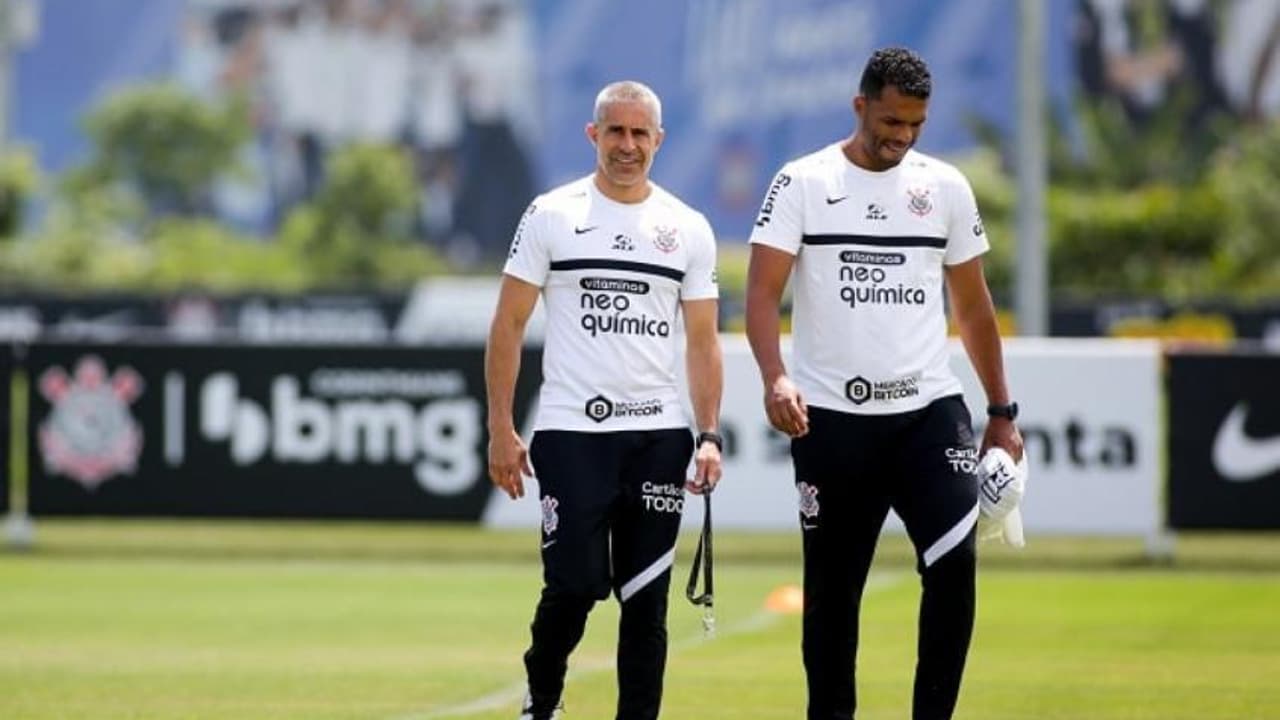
(865, 170)
(624, 204)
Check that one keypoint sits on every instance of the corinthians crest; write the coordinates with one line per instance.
(919, 203)
(90, 434)
(665, 239)
(550, 519)
(808, 499)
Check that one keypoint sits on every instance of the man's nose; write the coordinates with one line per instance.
(628, 142)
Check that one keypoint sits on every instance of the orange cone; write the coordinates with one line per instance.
(785, 600)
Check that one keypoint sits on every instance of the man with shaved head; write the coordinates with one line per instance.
(616, 259)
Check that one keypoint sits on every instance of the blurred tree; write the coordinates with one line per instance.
(201, 253)
(18, 178)
(1247, 176)
(1119, 154)
(357, 231)
(996, 194)
(78, 248)
(1156, 239)
(137, 214)
(164, 145)
(1131, 207)
(1107, 150)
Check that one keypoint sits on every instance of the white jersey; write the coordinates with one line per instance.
(868, 319)
(613, 276)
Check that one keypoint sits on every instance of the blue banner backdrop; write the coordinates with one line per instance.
(746, 84)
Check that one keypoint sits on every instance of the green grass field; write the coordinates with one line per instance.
(114, 619)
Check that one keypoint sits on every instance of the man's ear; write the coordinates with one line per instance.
(592, 132)
(662, 134)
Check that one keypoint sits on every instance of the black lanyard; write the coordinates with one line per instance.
(703, 553)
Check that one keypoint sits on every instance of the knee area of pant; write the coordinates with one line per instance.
(960, 562)
(653, 597)
(591, 587)
(644, 611)
(577, 599)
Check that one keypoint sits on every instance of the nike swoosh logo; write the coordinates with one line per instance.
(548, 544)
(581, 230)
(808, 526)
(1240, 458)
(833, 201)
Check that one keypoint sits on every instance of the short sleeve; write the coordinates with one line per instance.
(530, 257)
(966, 237)
(700, 282)
(780, 222)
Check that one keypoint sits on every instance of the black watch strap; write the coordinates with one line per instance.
(1009, 411)
(712, 437)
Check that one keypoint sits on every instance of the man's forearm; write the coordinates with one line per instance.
(501, 367)
(981, 337)
(975, 317)
(764, 332)
(706, 382)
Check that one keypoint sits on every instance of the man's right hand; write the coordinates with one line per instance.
(785, 407)
(508, 462)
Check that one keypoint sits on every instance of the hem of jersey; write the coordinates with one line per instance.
(967, 258)
(576, 425)
(900, 410)
(603, 430)
(770, 242)
(520, 276)
(712, 296)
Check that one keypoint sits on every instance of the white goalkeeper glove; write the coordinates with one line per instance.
(1001, 486)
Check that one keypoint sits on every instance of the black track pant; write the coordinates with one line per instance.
(850, 470)
(611, 507)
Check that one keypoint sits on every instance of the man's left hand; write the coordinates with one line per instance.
(706, 469)
(1002, 432)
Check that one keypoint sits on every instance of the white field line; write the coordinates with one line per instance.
(512, 695)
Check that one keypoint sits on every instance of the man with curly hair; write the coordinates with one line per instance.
(871, 229)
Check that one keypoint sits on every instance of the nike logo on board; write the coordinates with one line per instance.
(581, 230)
(1237, 457)
(833, 201)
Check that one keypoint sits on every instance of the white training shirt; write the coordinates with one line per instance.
(612, 276)
(868, 319)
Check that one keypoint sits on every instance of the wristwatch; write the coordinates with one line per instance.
(710, 436)
(1009, 411)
